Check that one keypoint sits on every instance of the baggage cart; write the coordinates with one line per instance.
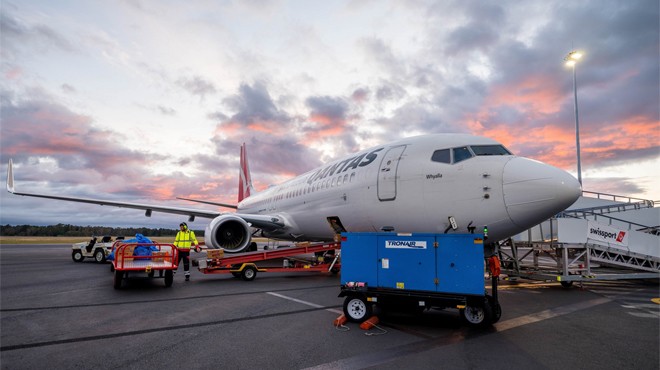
(161, 259)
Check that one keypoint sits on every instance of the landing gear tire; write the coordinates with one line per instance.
(99, 256)
(357, 309)
(169, 278)
(566, 284)
(77, 256)
(478, 315)
(249, 273)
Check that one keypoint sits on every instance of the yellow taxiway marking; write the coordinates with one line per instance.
(655, 300)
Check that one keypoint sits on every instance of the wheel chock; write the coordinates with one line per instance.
(340, 321)
(369, 323)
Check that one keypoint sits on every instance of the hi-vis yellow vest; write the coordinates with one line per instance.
(185, 239)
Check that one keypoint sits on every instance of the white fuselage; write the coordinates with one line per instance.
(416, 185)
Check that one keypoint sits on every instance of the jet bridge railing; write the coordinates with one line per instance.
(617, 198)
(609, 220)
(559, 249)
(610, 208)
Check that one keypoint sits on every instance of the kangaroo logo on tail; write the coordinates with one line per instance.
(244, 180)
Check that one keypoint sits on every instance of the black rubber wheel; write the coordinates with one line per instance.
(249, 273)
(169, 278)
(77, 255)
(99, 255)
(566, 284)
(119, 276)
(357, 309)
(478, 315)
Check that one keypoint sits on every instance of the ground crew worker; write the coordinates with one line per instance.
(184, 240)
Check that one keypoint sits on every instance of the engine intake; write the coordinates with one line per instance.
(229, 232)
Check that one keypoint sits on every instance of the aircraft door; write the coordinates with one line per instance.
(387, 179)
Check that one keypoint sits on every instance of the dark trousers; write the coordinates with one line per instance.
(186, 260)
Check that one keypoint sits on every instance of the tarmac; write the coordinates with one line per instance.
(59, 314)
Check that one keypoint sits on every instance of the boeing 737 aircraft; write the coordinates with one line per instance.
(432, 183)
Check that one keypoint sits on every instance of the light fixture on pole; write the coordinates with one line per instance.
(571, 60)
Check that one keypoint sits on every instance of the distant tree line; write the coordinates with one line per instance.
(73, 230)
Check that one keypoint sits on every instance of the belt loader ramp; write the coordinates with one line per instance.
(245, 265)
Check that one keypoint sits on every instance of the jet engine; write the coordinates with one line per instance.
(229, 232)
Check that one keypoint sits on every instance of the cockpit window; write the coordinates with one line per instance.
(441, 156)
(489, 150)
(461, 154)
(466, 152)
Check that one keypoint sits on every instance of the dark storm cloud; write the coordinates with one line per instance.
(270, 156)
(254, 104)
(334, 109)
(42, 128)
(271, 134)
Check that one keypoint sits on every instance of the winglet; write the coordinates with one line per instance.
(10, 177)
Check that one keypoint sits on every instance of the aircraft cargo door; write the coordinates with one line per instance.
(387, 172)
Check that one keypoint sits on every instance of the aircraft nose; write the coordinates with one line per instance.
(535, 191)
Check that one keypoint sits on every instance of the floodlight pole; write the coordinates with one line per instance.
(571, 59)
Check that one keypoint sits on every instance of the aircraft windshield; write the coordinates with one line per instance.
(489, 150)
(460, 154)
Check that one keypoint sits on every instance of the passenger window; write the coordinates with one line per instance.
(441, 156)
(461, 154)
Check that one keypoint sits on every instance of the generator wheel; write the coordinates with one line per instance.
(478, 315)
(99, 255)
(77, 256)
(119, 276)
(249, 273)
(357, 309)
(169, 278)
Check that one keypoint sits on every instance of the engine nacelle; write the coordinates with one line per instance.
(228, 232)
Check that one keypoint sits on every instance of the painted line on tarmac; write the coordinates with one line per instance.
(549, 314)
(303, 302)
(155, 330)
(387, 355)
(140, 302)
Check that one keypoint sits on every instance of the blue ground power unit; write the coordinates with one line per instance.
(419, 270)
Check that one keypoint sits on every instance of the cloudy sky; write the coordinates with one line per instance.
(145, 101)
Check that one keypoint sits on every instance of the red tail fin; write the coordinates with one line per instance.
(244, 180)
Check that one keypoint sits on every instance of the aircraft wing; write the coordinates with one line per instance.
(261, 221)
(209, 202)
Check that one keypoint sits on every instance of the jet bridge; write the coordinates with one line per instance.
(596, 239)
